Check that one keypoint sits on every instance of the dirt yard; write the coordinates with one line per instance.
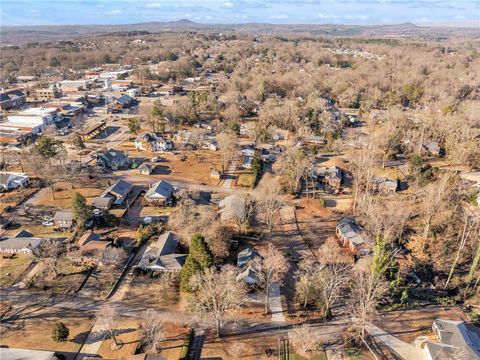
(409, 324)
(12, 198)
(128, 334)
(32, 330)
(11, 269)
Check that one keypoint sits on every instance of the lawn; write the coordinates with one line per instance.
(69, 279)
(63, 195)
(11, 269)
(246, 180)
(128, 334)
(12, 198)
(32, 329)
(155, 211)
(319, 356)
(142, 286)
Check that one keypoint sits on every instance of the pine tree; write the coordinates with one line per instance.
(81, 211)
(199, 258)
(200, 251)
(60, 332)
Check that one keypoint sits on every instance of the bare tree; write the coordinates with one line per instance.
(217, 293)
(227, 142)
(267, 197)
(303, 339)
(366, 292)
(361, 167)
(152, 330)
(49, 253)
(197, 139)
(114, 257)
(305, 284)
(294, 165)
(270, 269)
(108, 318)
(434, 199)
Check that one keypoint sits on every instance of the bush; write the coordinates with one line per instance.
(60, 332)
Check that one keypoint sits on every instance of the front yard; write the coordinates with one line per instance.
(12, 268)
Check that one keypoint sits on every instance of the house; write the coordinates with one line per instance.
(152, 142)
(91, 246)
(123, 102)
(454, 338)
(349, 235)
(20, 245)
(118, 192)
(75, 85)
(384, 184)
(231, 207)
(160, 255)
(10, 180)
(161, 193)
(12, 99)
(245, 256)
(248, 275)
(247, 162)
(331, 176)
(63, 219)
(113, 160)
(315, 140)
(103, 203)
(146, 169)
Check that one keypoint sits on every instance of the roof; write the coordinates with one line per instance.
(121, 188)
(230, 206)
(148, 137)
(20, 243)
(23, 233)
(25, 354)
(124, 99)
(114, 156)
(87, 237)
(166, 243)
(102, 202)
(458, 334)
(7, 177)
(11, 95)
(160, 190)
(350, 231)
(246, 255)
(63, 215)
(248, 275)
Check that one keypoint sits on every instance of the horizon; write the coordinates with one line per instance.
(465, 13)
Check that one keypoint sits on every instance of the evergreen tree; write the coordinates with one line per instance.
(199, 258)
(200, 251)
(81, 211)
(60, 332)
(47, 147)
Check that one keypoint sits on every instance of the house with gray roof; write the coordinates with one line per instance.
(19, 245)
(349, 235)
(63, 219)
(160, 255)
(118, 192)
(10, 180)
(113, 160)
(160, 193)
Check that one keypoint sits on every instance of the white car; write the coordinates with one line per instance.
(96, 212)
(155, 159)
(47, 223)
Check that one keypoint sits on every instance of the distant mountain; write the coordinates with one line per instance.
(14, 35)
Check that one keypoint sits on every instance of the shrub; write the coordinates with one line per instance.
(60, 332)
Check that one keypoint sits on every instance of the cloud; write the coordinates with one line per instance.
(327, 16)
(113, 12)
(228, 5)
(154, 5)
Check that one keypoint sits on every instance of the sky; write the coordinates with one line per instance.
(73, 12)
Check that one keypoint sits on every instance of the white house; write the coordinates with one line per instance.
(35, 118)
(152, 142)
(10, 180)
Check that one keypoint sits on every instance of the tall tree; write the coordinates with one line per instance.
(152, 330)
(108, 318)
(268, 200)
(81, 211)
(215, 293)
(199, 258)
(270, 268)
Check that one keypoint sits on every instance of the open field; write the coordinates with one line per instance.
(63, 196)
(32, 329)
(11, 269)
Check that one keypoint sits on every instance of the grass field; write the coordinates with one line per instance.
(11, 269)
(32, 329)
(246, 180)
